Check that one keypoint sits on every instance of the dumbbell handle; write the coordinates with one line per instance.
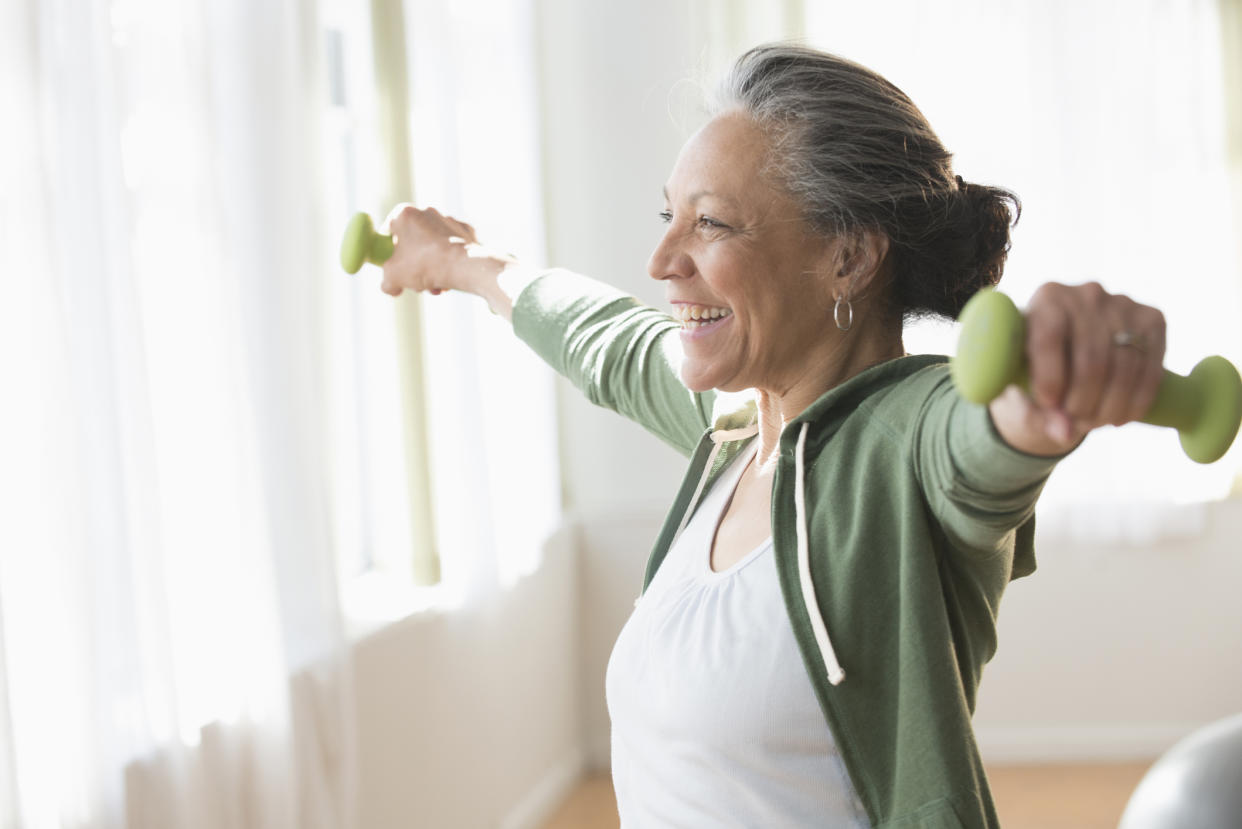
(363, 244)
(1205, 407)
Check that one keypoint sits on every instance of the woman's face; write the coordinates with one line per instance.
(740, 266)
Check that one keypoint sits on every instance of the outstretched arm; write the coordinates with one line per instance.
(611, 347)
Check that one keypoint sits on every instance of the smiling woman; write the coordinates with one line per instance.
(822, 598)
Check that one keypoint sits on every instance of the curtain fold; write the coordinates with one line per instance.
(173, 651)
(393, 101)
(475, 150)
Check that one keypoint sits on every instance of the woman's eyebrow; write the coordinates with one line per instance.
(699, 194)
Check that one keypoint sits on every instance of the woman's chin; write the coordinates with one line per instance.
(696, 381)
(700, 380)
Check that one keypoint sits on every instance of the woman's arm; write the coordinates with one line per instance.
(620, 353)
(611, 347)
(982, 470)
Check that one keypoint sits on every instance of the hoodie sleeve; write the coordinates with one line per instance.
(981, 490)
(619, 353)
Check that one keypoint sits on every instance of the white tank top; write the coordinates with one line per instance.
(714, 720)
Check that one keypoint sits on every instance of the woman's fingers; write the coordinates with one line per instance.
(436, 253)
(1091, 364)
(464, 231)
(390, 288)
(1137, 349)
(1094, 358)
(1117, 397)
(1049, 326)
(428, 248)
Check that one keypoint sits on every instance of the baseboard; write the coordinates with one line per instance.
(1079, 744)
(534, 810)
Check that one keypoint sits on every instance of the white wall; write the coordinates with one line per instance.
(1115, 652)
(470, 718)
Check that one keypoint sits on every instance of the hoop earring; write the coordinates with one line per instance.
(849, 314)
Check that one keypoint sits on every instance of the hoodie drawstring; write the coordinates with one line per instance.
(836, 674)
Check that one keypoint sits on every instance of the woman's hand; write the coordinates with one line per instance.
(1093, 358)
(433, 252)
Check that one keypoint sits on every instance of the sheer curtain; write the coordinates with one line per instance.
(1108, 120)
(475, 138)
(170, 640)
(450, 120)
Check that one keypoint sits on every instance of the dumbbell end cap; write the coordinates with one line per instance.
(1220, 390)
(357, 240)
(990, 349)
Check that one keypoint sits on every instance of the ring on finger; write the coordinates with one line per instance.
(1129, 339)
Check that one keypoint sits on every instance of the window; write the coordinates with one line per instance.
(444, 424)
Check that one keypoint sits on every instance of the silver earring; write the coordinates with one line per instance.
(849, 314)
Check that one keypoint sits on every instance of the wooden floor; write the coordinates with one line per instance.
(1027, 797)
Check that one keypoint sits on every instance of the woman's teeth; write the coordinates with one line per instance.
(695, 316)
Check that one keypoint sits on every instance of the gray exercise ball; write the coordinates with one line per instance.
(1197, 784)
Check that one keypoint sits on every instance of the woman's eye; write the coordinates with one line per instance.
(706, 222)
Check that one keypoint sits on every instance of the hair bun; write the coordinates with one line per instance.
(990, 213)
(937, 272)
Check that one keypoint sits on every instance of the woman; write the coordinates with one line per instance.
(820, 604)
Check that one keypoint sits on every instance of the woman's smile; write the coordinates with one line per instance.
(700, 320)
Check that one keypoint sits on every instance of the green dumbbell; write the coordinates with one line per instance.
(363, 244)
(1205, 407)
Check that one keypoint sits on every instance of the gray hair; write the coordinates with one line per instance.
(858, 155)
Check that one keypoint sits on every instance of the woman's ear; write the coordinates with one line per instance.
(859, 262)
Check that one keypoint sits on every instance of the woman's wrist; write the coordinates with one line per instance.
(500, 279)
(1033, 432)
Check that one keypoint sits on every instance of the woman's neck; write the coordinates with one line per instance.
(776, 407)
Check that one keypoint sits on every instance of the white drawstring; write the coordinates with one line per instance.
(836, 674)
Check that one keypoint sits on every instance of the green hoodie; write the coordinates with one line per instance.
(898, 517)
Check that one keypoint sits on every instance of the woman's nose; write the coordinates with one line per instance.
(667, 260)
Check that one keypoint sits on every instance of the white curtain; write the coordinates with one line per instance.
(1108, 120)
(170, 639)
(470, 148)
(474, 123)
